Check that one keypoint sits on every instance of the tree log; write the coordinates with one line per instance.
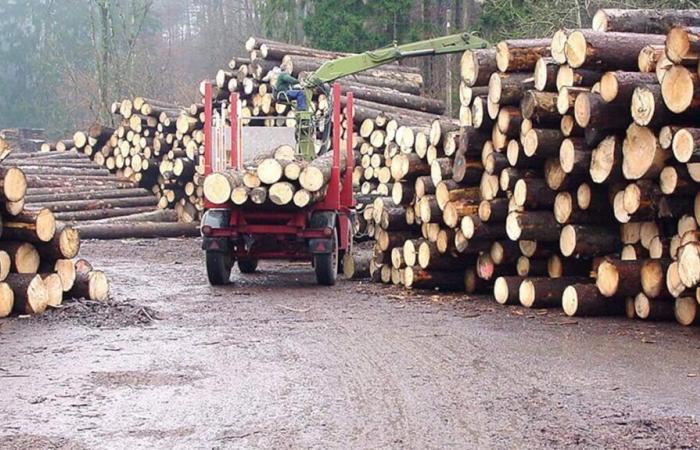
(506, 290)
(30, 293)
(619, 51)
(617, 278)
(583, 299)
(588, 240)
(545, 292)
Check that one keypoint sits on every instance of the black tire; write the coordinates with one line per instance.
(247, 265)
(326, 265)
(219, 266)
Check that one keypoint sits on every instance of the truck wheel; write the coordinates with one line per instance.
(326, 265)
(247, 265)
(219, 266)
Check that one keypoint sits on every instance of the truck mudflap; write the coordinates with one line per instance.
(215, 219)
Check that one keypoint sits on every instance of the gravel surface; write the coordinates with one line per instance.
(275, 361)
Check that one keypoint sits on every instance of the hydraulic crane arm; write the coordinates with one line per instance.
(349, 65)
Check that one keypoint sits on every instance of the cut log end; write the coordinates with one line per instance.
(14, 184)
(677, 88)
(608, 279)
(687, 311)
(7, 299)
(217, 188)
(54, 288)
(65, 269)
(576, 49)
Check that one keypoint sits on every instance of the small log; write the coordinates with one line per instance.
(686, 145)
(617, 278)
(424, 279)
(533, 225)
(540, 107)
(593, 49)
(54, 288)
(23, 256)
(545, 292)
(584, 300)
(13, 184)
(683, 44)
(356, 265)
(653, 309)
(650, 21)
(506, 290)
(686, 311)
(591, 111)
(30, 293)
(643, 157)
(520, 54)
(567, 76)
(476, 66)
(534, 193)
(606, 160)
(508, 88)
(7, 300)
(545, 74)
(619, 86)
(680, 89)
(588, 240)
(542, 142)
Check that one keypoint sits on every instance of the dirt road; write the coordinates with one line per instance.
(276, 362)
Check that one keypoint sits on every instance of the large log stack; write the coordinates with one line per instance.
(575, 184)
(37, 251)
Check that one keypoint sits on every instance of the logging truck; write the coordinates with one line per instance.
(321, 232)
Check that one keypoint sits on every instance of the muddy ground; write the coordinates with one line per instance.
(276, 362)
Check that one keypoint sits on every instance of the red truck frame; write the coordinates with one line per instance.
(320, 233)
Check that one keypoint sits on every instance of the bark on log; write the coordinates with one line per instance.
(97, 214)
(506, 290)
(588, 240)
(545, 292)
(686, 145)
(520, 54)
(533, 225)
(650, 21)
(619, 51)
(30, 293)
(617, 278)
(683, 44)
(476, 66)
(442, 281)
(686, 311)
(143, 230)
(591, 111)
(619, 86)
(680, 89)
(584, 300)
(34, 226)
(545, 74)
(643, 157)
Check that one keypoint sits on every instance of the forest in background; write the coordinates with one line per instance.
(63, 62)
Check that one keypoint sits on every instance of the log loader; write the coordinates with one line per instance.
(322, 232)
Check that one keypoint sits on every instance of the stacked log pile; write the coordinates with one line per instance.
(88, 197)
(575, 184)
(37, 251)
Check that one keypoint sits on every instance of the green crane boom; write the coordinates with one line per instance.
(350, 65)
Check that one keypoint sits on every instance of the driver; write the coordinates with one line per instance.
(286, 88)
